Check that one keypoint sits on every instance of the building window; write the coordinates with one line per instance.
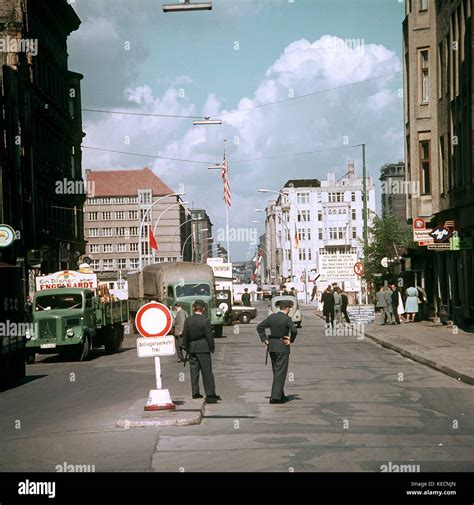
(423, 5)
(121, 247)
(134, 231)
(133, 263)
(304, 215)
(133, 214)
(134, 247)
(353, 196)
(145, 197)
(425, 77)
(308, 231)
(320, 215)
(93, 216)
(106, 216)
(93, 232)
(309, 254)
(93, 248)
(336, 197)
(320, 234)
(441, 164)
(354, 214)
(95, 264)
(302, 198)
(107, 232)
(108, 264)
(425, 168)
(120, 215)
(302, 254)
(107, 248)
(354, 232)
(121, 232)
(122, 264)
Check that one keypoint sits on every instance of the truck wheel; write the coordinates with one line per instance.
(83, 349)
(218, 331)
(30, 357)
(245, 318)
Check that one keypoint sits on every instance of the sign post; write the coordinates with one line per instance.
(154, 321)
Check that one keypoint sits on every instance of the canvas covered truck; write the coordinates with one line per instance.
(71, 316)
(13, 326)
(177, 281)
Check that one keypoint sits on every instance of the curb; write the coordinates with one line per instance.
(451, 372)
(187, 412)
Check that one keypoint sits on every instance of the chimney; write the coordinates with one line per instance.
(350, 169)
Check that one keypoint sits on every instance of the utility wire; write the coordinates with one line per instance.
(217, 164)
(242, 110)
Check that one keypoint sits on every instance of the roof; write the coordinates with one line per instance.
(125, 182)
(303, 183)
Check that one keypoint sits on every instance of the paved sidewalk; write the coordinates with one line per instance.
(447, 349)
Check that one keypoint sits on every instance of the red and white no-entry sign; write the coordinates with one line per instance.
(358, 268)
(153, 320)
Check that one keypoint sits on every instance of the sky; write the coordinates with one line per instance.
(233, 62)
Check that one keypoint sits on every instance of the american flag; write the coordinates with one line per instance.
(225, 180)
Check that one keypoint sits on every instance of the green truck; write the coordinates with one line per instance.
(13, 327)
(176, 281)
(70, 318)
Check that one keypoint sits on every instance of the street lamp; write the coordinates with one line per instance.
(187, 238)
(142, 222)
(187, 6)
(206, 121)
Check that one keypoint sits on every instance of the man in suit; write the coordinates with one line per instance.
(344, 304)
(282, 335)
(198, 341)
(179, 319)
(327, 299)
(395, 301)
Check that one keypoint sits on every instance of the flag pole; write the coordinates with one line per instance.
(227, 213)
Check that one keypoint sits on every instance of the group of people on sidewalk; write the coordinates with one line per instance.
(335, 303)
(390, 302)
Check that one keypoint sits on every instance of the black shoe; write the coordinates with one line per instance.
(273, 400)
(210, 399)
(195, 397)
(217, 397)
(285, 398)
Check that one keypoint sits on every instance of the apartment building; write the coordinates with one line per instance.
(394, 190)
(438, 53)
(120, 204)
(315, 228)
(202, 244)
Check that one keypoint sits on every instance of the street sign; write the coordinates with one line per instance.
(460, 243)
(153, 320)
(157, 346)
(66, 279)
(384, 262)
(419, 223)
(440, 246)
(358, 268)
(7, 235)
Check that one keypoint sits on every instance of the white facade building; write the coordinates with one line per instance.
(327, 217)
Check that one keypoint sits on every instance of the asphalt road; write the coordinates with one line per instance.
(354, 407)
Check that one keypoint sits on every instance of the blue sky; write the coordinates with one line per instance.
(134, 57)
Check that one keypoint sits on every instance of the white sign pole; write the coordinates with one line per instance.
(158, 372)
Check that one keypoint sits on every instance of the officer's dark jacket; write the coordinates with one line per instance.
(280, 325)
(197, 335)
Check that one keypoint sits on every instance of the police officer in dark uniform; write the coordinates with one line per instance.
(282, 334)
(198, 341)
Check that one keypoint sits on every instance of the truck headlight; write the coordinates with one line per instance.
(28, 335)
(70, 332)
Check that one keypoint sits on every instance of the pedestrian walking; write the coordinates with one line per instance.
(246, 298)
(198, 342)
(395, 300)
(344, 304)
(180, 317)
(384, 303)
(282, 334)
(337, 306)
(314, 292)
(411, 304)
(28, 308)
(327, 299)
(389, 316)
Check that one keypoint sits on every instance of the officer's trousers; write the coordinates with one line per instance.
(202, 362)
(280, 362)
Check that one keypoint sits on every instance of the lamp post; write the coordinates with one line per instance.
(167, 208)
(187, 238)
(142, 221)
(190, 220)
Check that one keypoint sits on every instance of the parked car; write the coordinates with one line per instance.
(241, 313)
(295, 311)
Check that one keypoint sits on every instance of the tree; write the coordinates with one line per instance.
(388, 238)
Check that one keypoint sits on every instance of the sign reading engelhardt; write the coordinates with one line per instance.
(222, 270)
(66, 279)
(156, 346)
(337, 266)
